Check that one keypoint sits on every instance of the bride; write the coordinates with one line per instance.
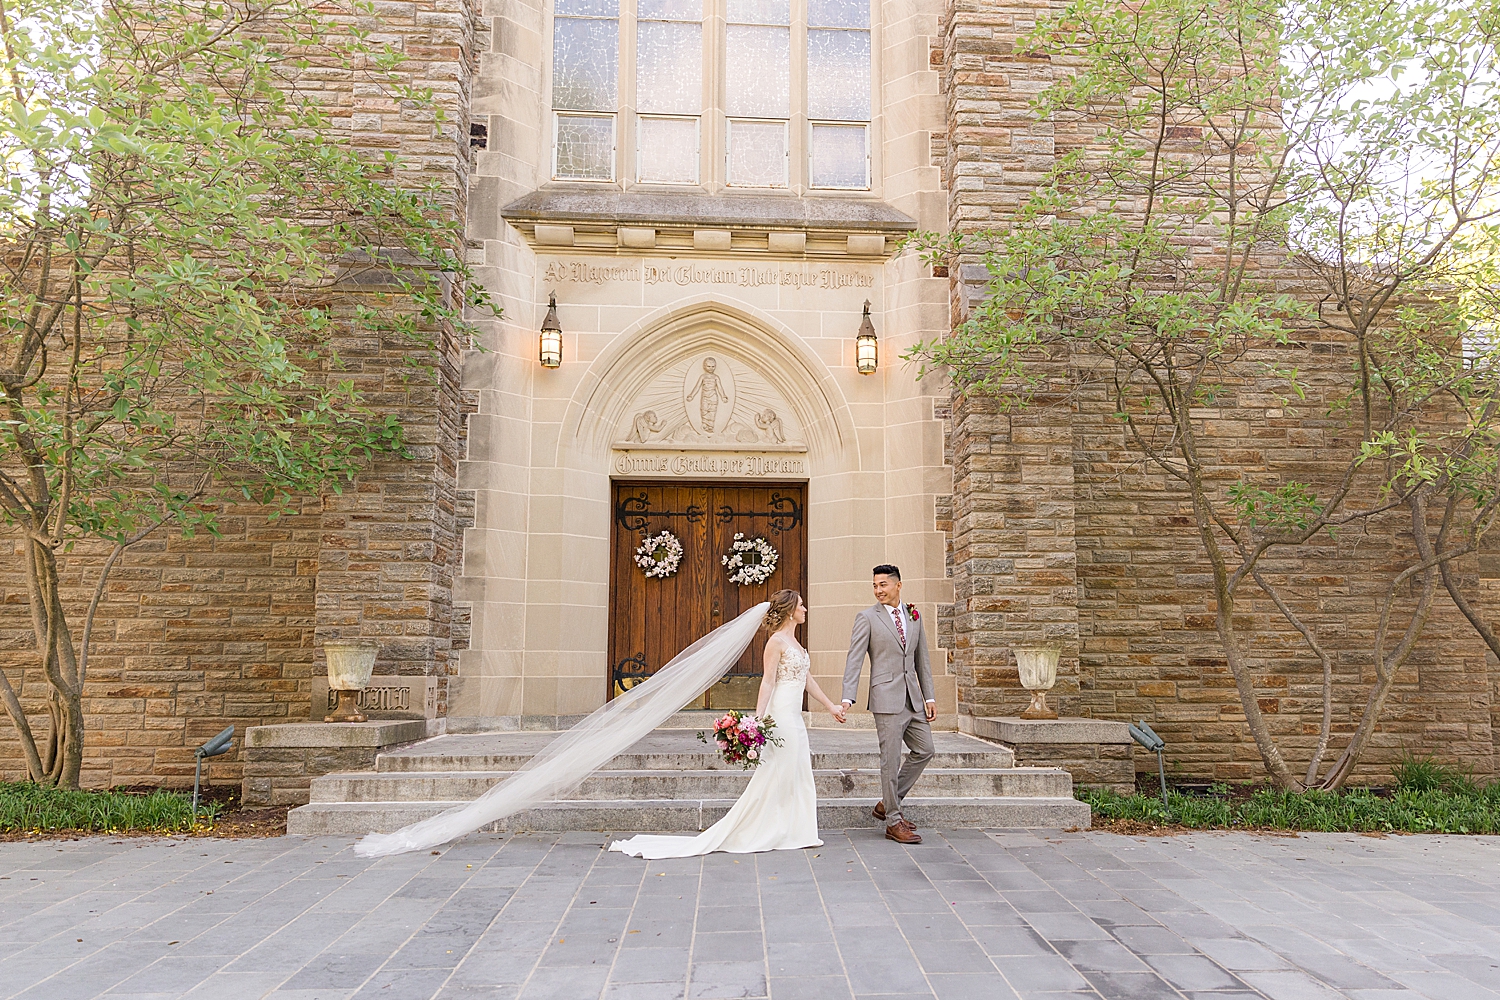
(778, 810)
(760, 817)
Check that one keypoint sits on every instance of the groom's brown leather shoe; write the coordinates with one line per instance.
(879, 813)
(902, 833)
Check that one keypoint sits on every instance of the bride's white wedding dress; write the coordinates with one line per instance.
(778, 811)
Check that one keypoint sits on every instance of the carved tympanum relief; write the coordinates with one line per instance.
(710, 400)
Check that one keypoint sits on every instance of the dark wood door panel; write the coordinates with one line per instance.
(653, 619)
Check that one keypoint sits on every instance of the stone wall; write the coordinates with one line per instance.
(389, 548)
(1060, 532)
(196, 634)
(193, 634)
(1014, 551)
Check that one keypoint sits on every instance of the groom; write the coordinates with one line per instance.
(891, 634)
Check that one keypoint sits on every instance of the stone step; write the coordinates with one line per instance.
(685, 815)
(675, 749)
(703, 783)
(706, 761)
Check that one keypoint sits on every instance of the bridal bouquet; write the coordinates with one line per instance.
(741, 737)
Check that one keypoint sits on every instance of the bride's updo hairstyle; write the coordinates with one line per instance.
(783, 604)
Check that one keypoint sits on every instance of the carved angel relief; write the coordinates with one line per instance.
(711, 401)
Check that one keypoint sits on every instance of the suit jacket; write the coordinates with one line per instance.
(896, 674)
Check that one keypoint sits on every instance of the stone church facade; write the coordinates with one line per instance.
(706, 198)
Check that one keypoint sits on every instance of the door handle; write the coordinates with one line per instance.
(714, 614)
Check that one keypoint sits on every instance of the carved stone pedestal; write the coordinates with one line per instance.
(1097, 752)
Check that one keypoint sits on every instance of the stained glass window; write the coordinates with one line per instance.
(840, 156)
(585, 77)
(668, 81)
(838, 92)
(667, 95)
(838, 13)
(667, 150)
(838, 75)
(757, 85)
(585, 147)
(757, 153)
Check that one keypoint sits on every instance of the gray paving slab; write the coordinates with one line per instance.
(1004, 914)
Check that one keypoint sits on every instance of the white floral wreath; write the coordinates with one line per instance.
(659, 555)
(749, 573)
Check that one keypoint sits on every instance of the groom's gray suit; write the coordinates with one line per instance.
(900, 684)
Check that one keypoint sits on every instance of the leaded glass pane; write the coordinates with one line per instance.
(757, 154)
(585, 64)
(669, 10)
(838, 75)
(668, 150)
(838, 13)
(840, 156)
(585, 148)
(759, 12)
(757, 71)
(587, 8)
(669, 67)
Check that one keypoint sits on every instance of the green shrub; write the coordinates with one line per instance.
(1463, 809)
(1427, 774)
(25, 806)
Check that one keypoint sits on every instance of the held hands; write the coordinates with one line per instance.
(839, 712)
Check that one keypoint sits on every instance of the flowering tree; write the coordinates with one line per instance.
(184, 239)
(1258, 184)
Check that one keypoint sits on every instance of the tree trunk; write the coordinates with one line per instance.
(1326, 728)
(63, 762)
(1386, 667)
(1255, 719)
(34, 769)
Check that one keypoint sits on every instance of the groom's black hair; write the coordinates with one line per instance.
(886, 569)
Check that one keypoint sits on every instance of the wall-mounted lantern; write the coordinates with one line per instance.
(866, 350)
(550, 342)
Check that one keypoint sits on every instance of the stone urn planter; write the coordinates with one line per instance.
(1037, 666)
(350, 663)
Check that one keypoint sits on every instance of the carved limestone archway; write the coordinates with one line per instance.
(779, 371)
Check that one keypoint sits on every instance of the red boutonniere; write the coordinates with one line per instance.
(911, 609)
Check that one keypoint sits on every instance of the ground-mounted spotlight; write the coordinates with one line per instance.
(220, 744)
(1146, 737)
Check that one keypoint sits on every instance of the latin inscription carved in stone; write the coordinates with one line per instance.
(560, 272)
(708, 465)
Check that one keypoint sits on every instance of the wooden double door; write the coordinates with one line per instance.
(652, 619)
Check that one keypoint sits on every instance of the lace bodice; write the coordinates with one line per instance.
(793, 666)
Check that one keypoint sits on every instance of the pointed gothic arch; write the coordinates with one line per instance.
(603, 399)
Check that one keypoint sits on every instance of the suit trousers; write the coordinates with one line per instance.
(896, 775)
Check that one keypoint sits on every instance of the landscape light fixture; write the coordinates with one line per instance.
(1146, 737)
(550, 350)
(220, 744)
(866, 350)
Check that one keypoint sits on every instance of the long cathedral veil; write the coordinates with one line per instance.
(586, 747)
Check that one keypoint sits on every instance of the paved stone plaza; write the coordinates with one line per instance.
(967, 915)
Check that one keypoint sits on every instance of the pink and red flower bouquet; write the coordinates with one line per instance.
(742, 738)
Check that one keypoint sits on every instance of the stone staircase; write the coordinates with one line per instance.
(671, 782)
